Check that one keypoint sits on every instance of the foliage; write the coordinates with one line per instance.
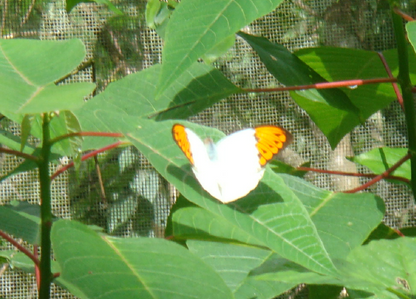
(284, 233)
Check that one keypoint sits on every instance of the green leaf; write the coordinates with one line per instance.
(29, 70)
(386, 264)
(70, 4)
(157, 16)
(378, 160)
(343, 221)
(22, 220)
(293, 232)
(411, 33)
(234, 262)
(107, 267)
(25, 130)
(197, 26)
(73, 126)
(335, 64)
(198, 88)
(331, 109)
(219, 49)
(14, 142)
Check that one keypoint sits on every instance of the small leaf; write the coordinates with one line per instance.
(70, 4)
(379, 160)
(411, 33)
(21, 220)
(25, 130)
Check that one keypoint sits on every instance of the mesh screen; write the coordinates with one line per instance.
(124, 45)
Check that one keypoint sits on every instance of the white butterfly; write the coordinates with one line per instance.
(231, 168)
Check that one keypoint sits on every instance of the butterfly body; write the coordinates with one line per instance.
(231, 168)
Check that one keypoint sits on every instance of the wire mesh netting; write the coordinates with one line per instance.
(121, 45)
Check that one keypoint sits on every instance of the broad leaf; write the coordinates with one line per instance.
(331, 109)
(94, 265)
(196, 89)
(197, 26)
(29, 69)
(335, 64)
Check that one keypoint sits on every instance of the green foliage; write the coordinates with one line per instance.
(284, 233)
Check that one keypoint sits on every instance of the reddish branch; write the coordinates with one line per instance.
(379, 177)
(79, 134)
(17, 153)
(394, 84)
(325, 85)
(365, 175)
(86, 156)
(20, 247)
(403, 15)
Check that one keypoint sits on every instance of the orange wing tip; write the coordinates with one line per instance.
(271, 139)
(181, 139)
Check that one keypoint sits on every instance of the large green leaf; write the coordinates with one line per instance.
(272, 210)
(331, 109)
(29, 69)
(197, 26)
(234, 262)
(378, 160)
(99, 266)
(196, 89)
(335, 64)
(344, 221)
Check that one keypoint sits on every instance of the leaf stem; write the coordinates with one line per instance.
(406, 86)
(325, 85)
(365, 175)
(17, 153)
(45, 210)
(94, 134)
(381, 176)
(20, 247)
(87, 156)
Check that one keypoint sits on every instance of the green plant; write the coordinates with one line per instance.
(284, 233)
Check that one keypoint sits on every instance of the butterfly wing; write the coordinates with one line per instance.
(270, 140)
(196, 151)
(234, 166)
(242, 157)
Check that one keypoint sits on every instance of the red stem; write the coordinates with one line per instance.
(366, 175)
(394, 84)
(95, 134)
(17, 153)
(403, 15)
(20, 247)
(325, 85)
(380, 176)
(85, 157)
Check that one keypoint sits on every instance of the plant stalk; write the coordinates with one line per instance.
(45, 211)
(406, 88)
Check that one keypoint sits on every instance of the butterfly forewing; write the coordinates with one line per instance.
(270, 140)
(181, 138)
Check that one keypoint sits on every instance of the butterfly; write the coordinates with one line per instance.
(232, 167)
